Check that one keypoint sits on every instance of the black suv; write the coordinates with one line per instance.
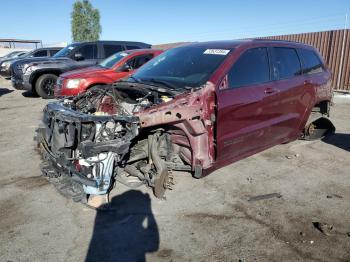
(40, 75)
(5, 65)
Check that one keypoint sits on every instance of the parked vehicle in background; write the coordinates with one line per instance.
(40, 76)
(12, 54)
(193, 108)
(113, 68)
(6, 65)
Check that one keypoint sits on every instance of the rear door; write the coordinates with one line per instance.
(246, 106)
(287, 73)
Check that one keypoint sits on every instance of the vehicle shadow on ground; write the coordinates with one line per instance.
(5, 91)
(29, 94)
(339, 140)
(127, 233)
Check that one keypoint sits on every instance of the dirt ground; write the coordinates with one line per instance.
(209, 219)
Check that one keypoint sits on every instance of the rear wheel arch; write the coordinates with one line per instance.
(322, 107)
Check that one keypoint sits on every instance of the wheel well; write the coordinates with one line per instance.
(37, 75)
(322, 107)
(96, 84)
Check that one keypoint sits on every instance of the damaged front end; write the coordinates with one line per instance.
(96, 139)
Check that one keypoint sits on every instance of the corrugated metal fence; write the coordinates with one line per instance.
(334, 46)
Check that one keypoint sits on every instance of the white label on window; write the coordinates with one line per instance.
(70, 47)
(123, 54)
(216, 52)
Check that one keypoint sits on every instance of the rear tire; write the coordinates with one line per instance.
(44, 86)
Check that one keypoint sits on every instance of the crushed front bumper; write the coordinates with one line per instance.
(75, 163)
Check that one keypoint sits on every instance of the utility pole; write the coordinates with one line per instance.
(342, 52)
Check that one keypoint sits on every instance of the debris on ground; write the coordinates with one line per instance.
(323, 227)
(263, 197)
(334, 196)
(292, 156)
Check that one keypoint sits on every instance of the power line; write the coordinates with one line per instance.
(270, 27)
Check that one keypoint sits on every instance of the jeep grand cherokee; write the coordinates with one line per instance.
(193, 108)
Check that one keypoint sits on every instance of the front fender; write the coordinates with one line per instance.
(192, 114)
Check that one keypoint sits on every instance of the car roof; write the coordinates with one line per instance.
(48, 48)
(228, 44)
(113, 42)
(146, 50)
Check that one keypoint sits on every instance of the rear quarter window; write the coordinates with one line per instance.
(285, 63)
(251, 68)
(311, 62)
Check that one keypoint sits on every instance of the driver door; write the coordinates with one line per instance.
(86, 55)
(246, 107)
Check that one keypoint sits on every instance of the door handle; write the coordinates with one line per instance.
(270, 90)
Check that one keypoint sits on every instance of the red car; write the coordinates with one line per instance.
(113, 68)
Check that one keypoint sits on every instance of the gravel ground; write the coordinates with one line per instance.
(209, 219)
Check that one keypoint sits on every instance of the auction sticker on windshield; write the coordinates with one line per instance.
(216, 52)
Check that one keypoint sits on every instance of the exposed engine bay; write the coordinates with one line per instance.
(94, 140)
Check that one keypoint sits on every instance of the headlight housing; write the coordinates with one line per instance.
(73, 83)
(6, 64)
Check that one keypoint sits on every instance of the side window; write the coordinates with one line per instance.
(138, 61)
(286, 63)
(251, 68)
(111, 49)
(143, 59)
(40, 53)
(88, 51)
(311, 62)
(53, 52)
(132, 47)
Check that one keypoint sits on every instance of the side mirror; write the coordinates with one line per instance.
(78, 56)
(125, 68)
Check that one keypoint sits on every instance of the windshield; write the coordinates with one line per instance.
(12, 54)
(29, 54)
(21, 54)
(182, 67)
(109, 62)
(65, 51)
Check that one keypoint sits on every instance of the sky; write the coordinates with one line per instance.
(165, 21)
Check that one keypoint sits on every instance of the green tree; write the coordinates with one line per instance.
(85, 22)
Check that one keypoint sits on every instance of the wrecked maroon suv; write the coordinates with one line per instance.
(194, 108)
